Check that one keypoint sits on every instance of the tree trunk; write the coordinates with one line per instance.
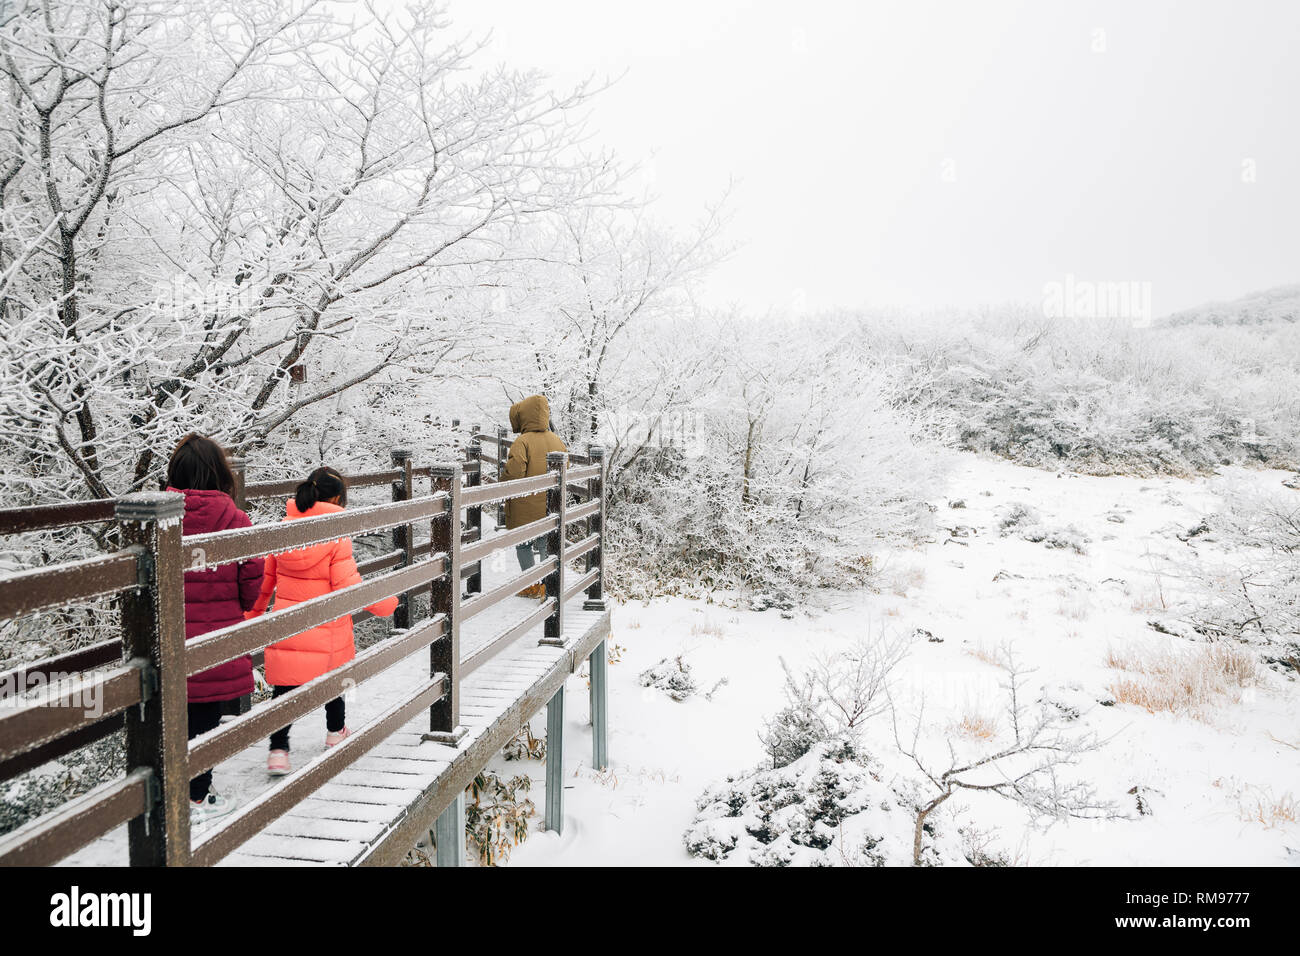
(921, 816)
(749, 463)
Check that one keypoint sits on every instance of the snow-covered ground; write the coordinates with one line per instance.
(1202, 776)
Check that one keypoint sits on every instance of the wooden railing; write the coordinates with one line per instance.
(138, 681)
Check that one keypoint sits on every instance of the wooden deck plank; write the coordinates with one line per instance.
(240, 858)
(507, 689)
(492, 700)
(357, 831)
(413, 765)
(315, 850)
(384, 780)
(527, 672)
(488, 705)
(344, 810)
(524, 657)
(377, 795)
(405, 738)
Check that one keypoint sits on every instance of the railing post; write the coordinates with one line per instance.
(444, 653)
(404, 534)
(555, 762)
(598, 669)
(503, 450)
(474, 516)
(557, 499)
(596, 593)
(449, 833)
(153, 628)
(598, 663)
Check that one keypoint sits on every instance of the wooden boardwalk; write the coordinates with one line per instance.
(373, 813)
(428, 706)
(377, 811)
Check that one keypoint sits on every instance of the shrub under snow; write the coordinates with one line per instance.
(1104, 397)
(830, 807)
(800, 456)
(672, 675)
(1255, 596)
(1026, 521)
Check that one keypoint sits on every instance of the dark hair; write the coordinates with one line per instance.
(200, 464)
(321, 485)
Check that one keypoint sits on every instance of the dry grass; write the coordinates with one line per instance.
(417, 856)
(1182, 682)
(975, 726)
(901, 581)
(708, 629)
(993, 656)
(1148, 602)
(1261, 806)
(1074, 608)
(1123, 659)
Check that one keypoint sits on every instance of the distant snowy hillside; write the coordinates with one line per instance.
(1279, 304)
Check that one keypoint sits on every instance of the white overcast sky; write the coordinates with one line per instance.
(838, 120)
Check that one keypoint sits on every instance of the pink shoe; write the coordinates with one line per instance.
(335, 737)
(277, 763)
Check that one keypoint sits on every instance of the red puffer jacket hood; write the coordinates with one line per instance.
(216, 597)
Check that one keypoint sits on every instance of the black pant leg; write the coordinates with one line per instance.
(280, 739)
(203, 716)
(335, 715)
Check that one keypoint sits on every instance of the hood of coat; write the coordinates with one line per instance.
(532, 414)
(207, 510)
(301, 561)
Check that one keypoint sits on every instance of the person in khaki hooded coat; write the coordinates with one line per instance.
(530, 419)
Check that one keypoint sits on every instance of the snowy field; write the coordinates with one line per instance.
(1211, 786)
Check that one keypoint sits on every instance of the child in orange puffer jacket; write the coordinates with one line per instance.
(297, 576)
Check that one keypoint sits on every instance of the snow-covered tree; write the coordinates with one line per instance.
(801, 453)
(220, 216)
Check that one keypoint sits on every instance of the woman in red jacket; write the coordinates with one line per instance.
(215, 597)
(300, 575)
